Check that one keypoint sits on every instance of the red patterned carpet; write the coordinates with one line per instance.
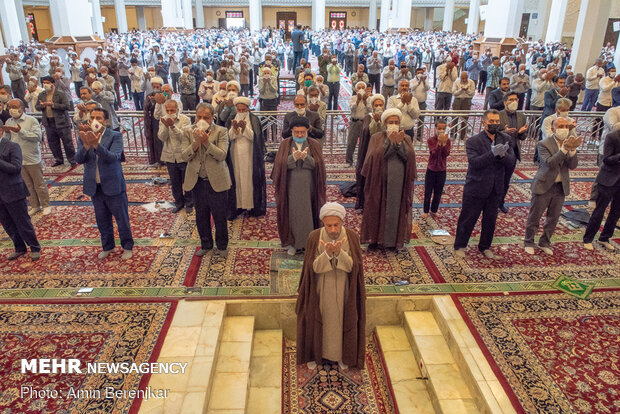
(553, 353)
(327, 390)
(129, 332)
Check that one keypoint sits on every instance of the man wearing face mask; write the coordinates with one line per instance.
(562, 108)
(208, 178)
(55, 107)
(101, 152)
(14, 69)
(162, 68)
(371, 125)
(299, 179)
(105, 99)
(390, 171)
(171, 132)
(489, 155)
(246, 162)
(407, 105)
(226, 110)
(25, 131)
(389, 80)
(513, 124)
(32, 94)
(136, 74)
(557, 155)
(333, 83)
(520, 84)
(360, 107)
(315, 104)
(151, 121)
(5, 97)
(359, 76)
(463, 91)
(593, 77)
(208, 88)
(315, 129)
(552, 96)
(606, 84)
(187, 87)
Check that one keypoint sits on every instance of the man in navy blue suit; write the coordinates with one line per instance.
(13, 208)
(101, 150)
(489, 154)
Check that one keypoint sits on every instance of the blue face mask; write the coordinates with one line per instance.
(299, 140)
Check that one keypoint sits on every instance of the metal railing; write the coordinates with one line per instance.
(463, 124)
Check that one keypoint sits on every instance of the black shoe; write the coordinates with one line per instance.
(373, 246)
(176, 209)
(15, 255)
(203, 250)
(189, 210)
(58, 164)
(503, 209)
(73, 164)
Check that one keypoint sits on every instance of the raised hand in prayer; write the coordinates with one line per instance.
(332, 248)
(313, 107)
(523, 129)
(406, 98)
(442, 139)
(160, 98)
(572, 143)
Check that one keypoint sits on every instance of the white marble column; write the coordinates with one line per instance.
(501, 18)
(372, 15)
(385, 15)
(188, 23)
(448, 16)
(401, 15)
(428, 18)
(21, 18)
(200, 14)
(318, 14)
(473, 18)
(8, 19)
(589, 34)
(96, 20)
(121, 16)
(71, 17)
(255, 15)
(171, 13)
(556, 20)
(141, 18)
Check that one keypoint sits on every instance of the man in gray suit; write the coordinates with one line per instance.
(208, 177)
(557, 154)
(512, 124)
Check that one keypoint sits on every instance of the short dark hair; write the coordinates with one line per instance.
(87, 88)
(488, 112)
(106, 114)
(509, 94)
(7, 88)
(133, 60)
(558, 77)
(494, 58)
(504, 79)
(442, 121)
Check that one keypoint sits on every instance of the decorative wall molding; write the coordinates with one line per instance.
(271, 3)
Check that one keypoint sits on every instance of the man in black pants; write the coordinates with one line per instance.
(489, 154)
(13, 208)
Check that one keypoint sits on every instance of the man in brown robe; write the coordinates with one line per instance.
(331, 301)
(390, 172)
(299, 179)
(372, 124)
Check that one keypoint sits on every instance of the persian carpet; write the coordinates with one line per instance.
(552, 353)
(327, 390)
(93, 332)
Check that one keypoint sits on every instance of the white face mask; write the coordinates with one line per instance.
(209, 78)
(563, 114)
(392, 128)
(171, 116)
(521, 72)
(232, 95)
(562, 133)
(15, 113)
(314, 100)
(92, 75)
(202, 125)
(361, 92)
(300, 111)
(378, 110)
(512, 106)
(96, 126)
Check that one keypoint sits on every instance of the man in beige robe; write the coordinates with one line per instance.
(334, 286)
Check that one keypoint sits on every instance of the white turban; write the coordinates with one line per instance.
(242, 100)
(391, 112)
(233, 83)
(375, 97)
(332, 209)
(157, 79)
(360, 83)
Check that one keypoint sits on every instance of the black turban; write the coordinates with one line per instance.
(299, 121)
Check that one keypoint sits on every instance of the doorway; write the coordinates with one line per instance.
(234, 20)
(286, 21)
(525, 25)
(337, 20)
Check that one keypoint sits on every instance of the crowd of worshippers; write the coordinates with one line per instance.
(217, 168)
